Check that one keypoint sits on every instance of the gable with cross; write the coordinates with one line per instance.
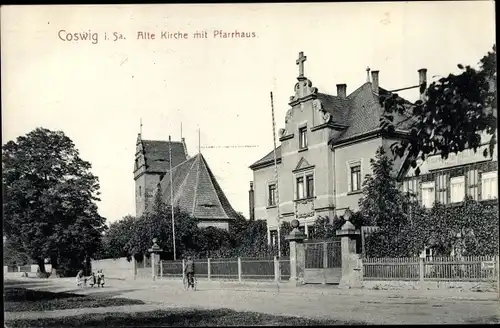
(300, 61)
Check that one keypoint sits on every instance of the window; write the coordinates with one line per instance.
(310, 231)
(274, 237)
(489, 188)
(302, 229)
(300, 187)
(310, 186)
(472, 184)
(303, 137)
(355, 178)
(428, 194)
(140, 191)
(442, 188)
(457, 186)
(304, 186)
(271, 200)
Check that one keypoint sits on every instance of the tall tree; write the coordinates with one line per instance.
(157, 223)
(383, 204)
(49, 198)
(456, 110)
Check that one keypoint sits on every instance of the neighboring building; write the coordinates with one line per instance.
(449, 180)
(325, 153)
(195, 189)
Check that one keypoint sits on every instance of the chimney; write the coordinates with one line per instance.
(251, 212)
(422, 78)
(375, 82)
(341, 90)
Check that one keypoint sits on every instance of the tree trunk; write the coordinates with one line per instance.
(41, 265)
(53, 261)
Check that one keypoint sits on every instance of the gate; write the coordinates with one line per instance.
(323, 262)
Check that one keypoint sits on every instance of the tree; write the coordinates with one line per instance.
(116, 240)
(384, 205)
(157, 223)
(50, 198)
(12, 256)
(456, 110)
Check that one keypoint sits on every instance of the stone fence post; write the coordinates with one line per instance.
(352, 265)
(155, 251)
(297, 254)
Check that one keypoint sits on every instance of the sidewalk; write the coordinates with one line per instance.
(261, 286)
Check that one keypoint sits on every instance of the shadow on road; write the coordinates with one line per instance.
(175, 318)
(23, 299)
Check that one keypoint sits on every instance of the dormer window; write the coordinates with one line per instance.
(303, 137)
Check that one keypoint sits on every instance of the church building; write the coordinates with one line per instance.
(325, 151)
(194, 187)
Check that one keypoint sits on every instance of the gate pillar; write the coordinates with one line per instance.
(155, 259)
(352, 273)
(297, 254)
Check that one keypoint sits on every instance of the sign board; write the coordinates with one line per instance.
(487, 265)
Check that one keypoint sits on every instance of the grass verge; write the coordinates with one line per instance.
(175, 317)
(23, 299)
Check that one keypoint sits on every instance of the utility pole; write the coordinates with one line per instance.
(276, 177)
(171, 193)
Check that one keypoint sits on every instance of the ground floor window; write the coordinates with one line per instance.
(489, 187)
(273, 237)
(428, 194)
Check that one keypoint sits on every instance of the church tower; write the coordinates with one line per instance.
(150, 166)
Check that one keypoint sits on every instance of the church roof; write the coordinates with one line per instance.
(156, 155)
(196, 191)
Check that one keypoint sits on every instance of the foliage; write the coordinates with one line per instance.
(49, 199)
(406, 228)
(157, 224)
(455, 111)
(116, 240)
(12, 256)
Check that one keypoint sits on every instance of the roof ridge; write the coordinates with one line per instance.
(165, 141)
(352, 94)
(197, 181)
(210, 175)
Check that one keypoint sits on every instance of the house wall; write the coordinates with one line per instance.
(360, 152)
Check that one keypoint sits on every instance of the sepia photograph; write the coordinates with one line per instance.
(257, 164)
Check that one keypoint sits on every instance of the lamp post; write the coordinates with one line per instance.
(155, 251)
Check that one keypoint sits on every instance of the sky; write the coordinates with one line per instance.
(97, 92)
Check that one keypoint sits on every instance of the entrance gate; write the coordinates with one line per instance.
(323, 261)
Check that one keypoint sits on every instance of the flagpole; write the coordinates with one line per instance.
(276, 177)
(171, 193)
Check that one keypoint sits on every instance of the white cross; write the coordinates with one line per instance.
(300, 62)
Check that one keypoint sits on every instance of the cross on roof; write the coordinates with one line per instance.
(140, 128)
(300, 61)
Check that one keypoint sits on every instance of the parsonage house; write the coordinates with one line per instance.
(194, 187)
(325, 151)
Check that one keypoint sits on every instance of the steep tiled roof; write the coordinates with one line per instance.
(269, 158)
(360, 112)
(156, 154)
(196, 191)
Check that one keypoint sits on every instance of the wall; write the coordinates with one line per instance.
(429, 285)
(149, 183)
(115, 268)
(262, 212)
(216, 224)
(361, 151)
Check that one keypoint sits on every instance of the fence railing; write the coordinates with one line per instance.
(237, 269)
(471, 268)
